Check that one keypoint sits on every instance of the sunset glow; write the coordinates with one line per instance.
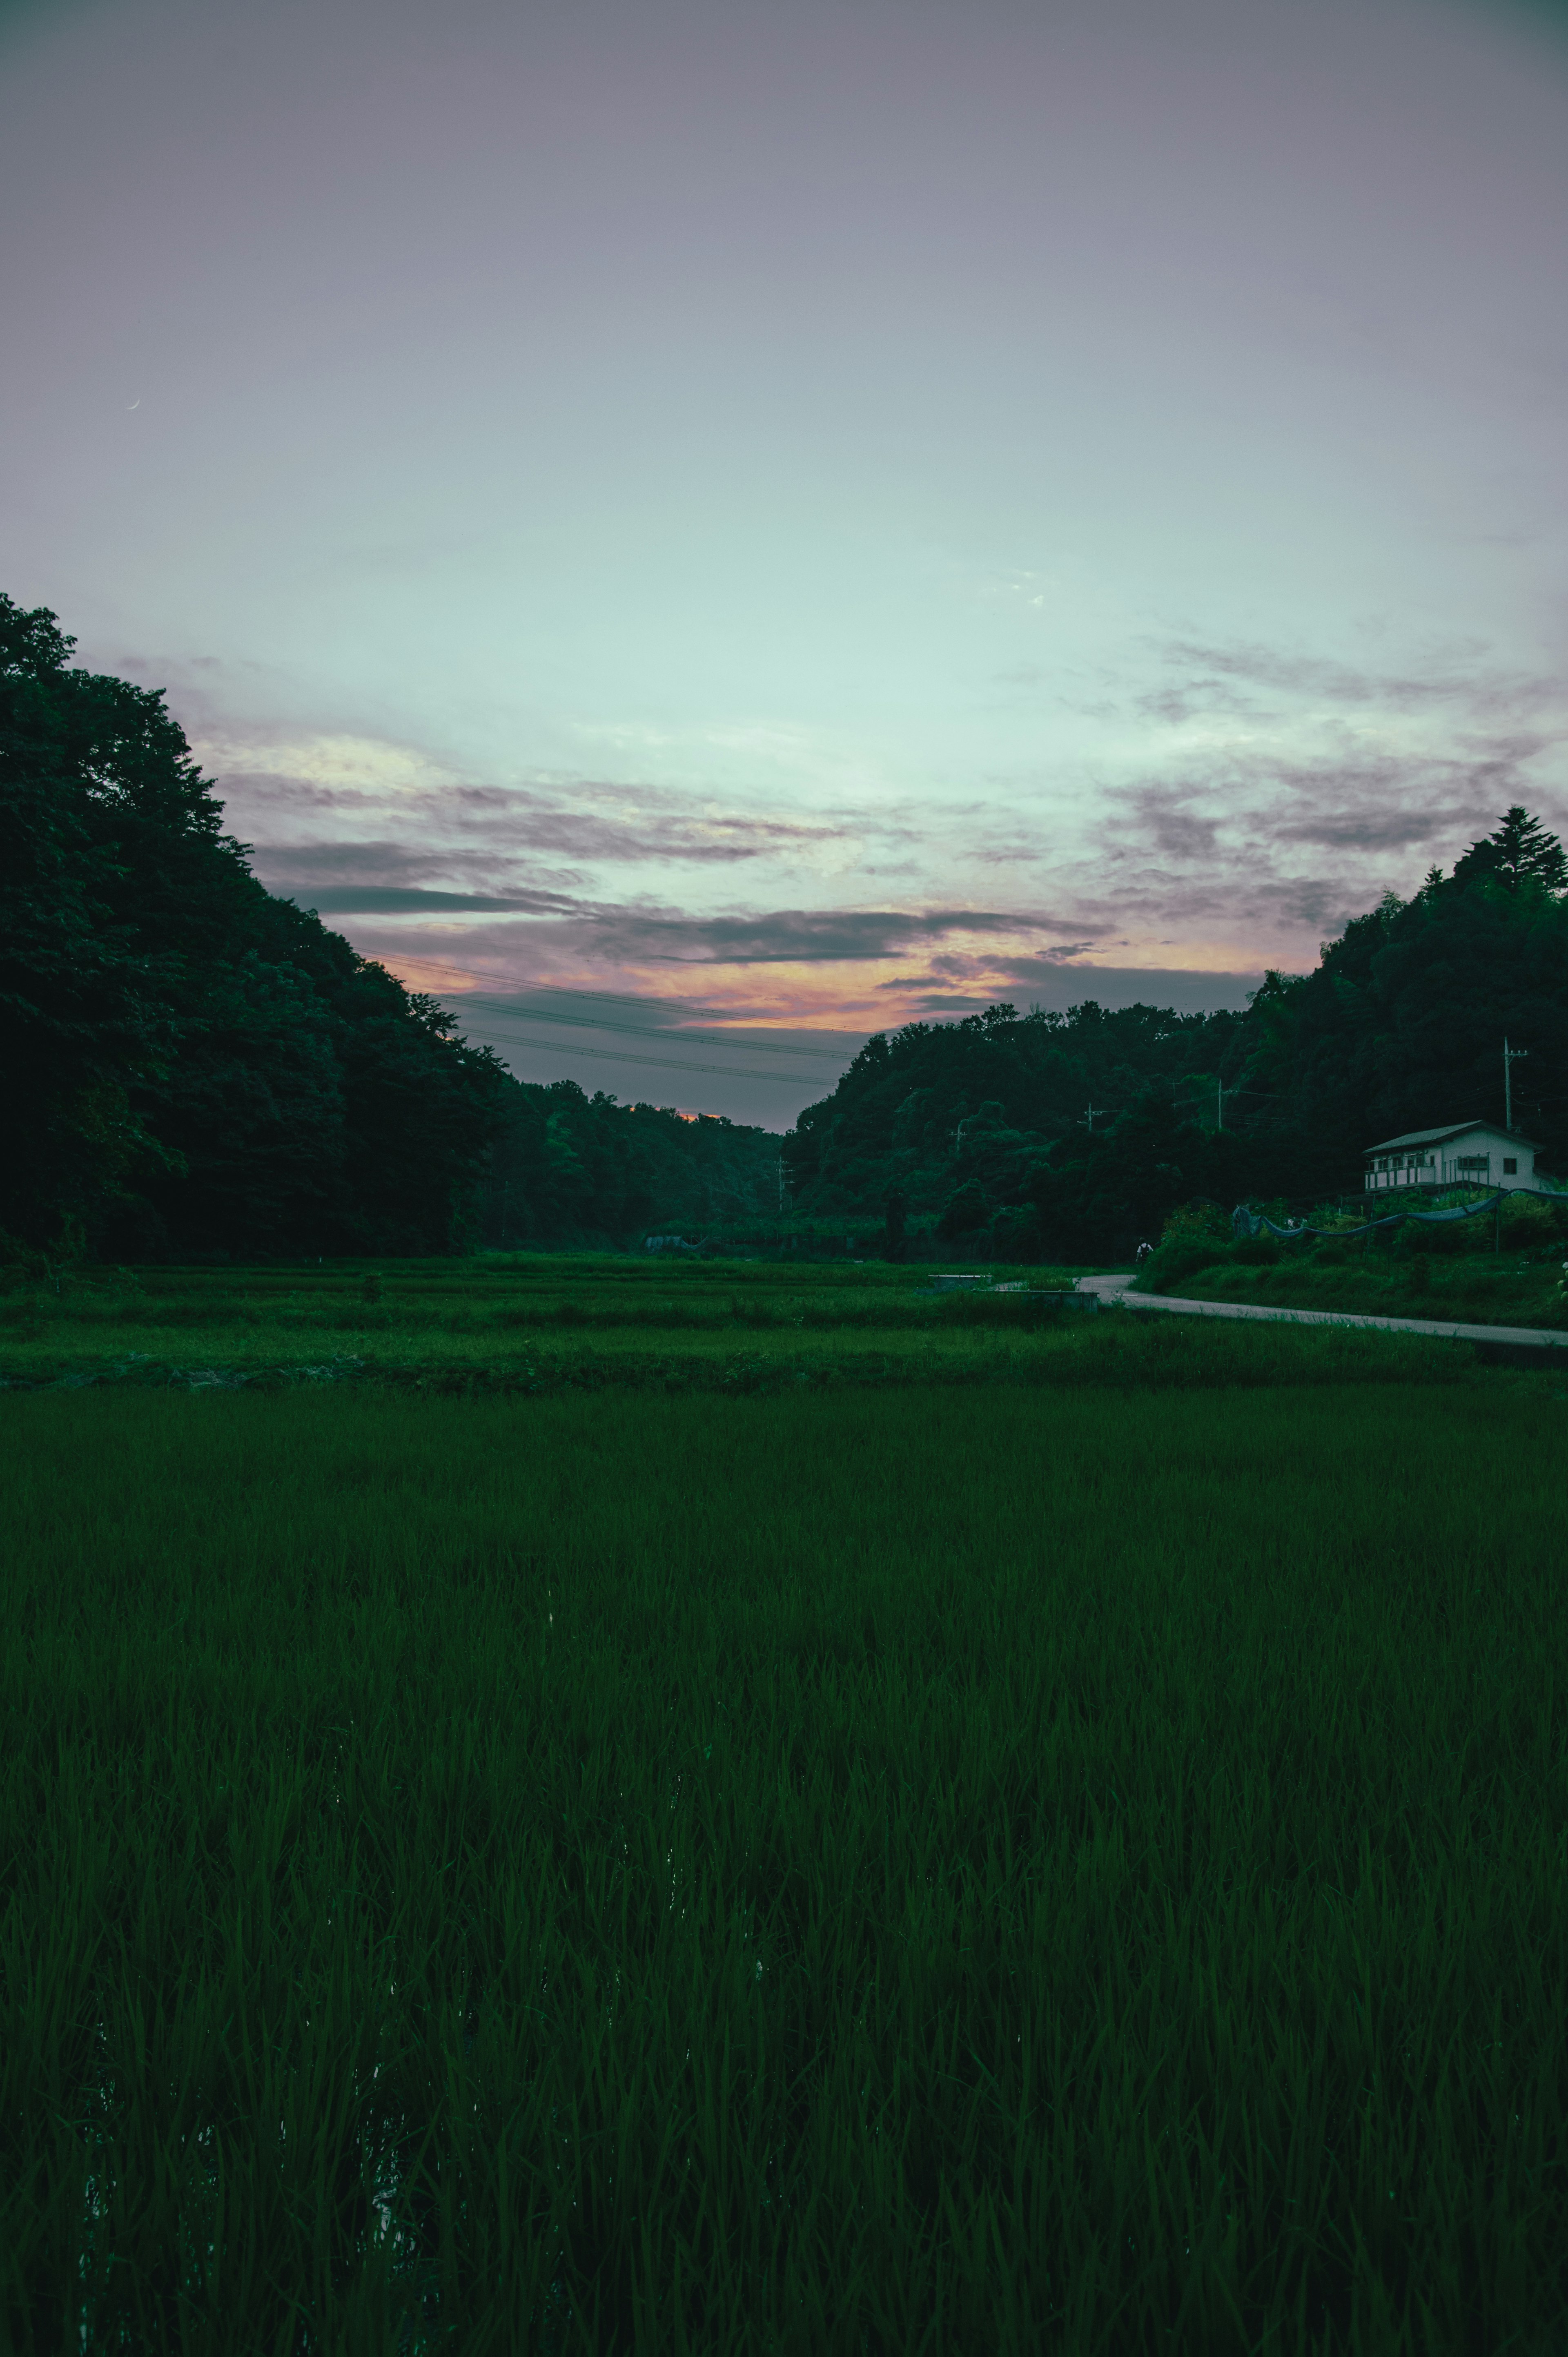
(836, 515)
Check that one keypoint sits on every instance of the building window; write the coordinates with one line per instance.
(1511, 1164)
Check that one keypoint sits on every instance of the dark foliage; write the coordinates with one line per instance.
(1067, 1136)
(194, 1067)
(572, 1169)
(1401, 1028)
(1518, 852)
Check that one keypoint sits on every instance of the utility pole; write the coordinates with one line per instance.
(780, 1182)
(1093, 1110)
(1510, 1058)
(1218, 1104)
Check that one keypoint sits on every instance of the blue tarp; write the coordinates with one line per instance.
(1246, 1223)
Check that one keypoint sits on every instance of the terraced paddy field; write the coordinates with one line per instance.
(501, 1320)
(1059, 1849)
(533, 1324)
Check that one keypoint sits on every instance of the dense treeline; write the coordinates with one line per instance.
(192, 1066)
(572, 1169)
(1071, 1135)
(195, 1068)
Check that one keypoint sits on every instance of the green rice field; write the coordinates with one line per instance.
(535, 1324)
(520, 1321)
(1064, 1850)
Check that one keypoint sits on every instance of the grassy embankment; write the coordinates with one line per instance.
(961, 1870)
(1454, 1274)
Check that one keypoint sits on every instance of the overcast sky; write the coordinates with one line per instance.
(825, 512)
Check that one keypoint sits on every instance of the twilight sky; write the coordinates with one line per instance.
(809, 514)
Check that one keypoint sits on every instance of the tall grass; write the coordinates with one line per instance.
(960, 1870)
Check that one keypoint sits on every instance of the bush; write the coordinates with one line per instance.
(1197, 1223)
(1175, 1262)
(964, 1214)
(1529, 1224)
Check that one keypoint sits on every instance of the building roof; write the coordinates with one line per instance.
(1455, 1129)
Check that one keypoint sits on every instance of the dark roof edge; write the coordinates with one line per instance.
(1453, 1129)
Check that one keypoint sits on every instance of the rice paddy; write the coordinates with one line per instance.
(1066, 1858)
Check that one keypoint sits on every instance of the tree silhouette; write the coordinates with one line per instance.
(1517, 849)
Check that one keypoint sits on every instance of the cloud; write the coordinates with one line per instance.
(1055, 988)
(389, 900)
(381, 876)
(1233, 803)
(799, 936)
(1175, 705)
(939, 1002)
(1222, 837)
(956, 968)
(1367, 831)
(1222, 674)
(1163, 818)
(375, 861)
(348, 830)
(607, 823)
(638, 935)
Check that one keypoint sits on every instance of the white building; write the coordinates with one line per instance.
(1468, 1154)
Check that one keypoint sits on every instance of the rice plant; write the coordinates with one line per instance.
(960, 1868)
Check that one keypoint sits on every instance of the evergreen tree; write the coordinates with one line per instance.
(1518, 851)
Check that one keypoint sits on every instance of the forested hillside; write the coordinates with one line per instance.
(1065, 1135)
(569, 1168)
(194, 1068)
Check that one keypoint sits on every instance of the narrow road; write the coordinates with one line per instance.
(1113, 1289)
